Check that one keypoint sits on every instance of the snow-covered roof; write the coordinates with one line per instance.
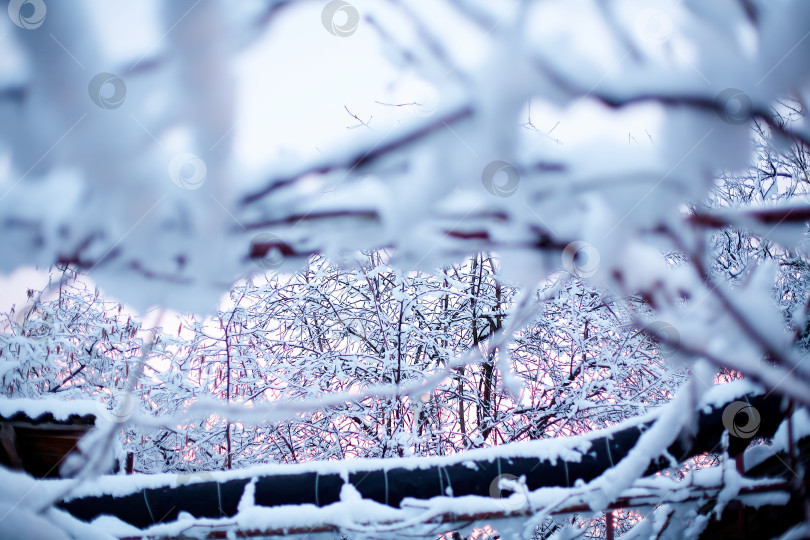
(48, 410)
(550, 450)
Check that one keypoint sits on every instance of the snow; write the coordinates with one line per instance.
(60, 409)
(25, 514)
(115, 527)
(247, 501)
(721, 394)
(570, 448)
(801, 429)
(23, 524)
(263, 103)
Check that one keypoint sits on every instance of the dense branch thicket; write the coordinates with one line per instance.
(581, 364)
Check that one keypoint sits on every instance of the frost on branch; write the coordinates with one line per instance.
(142, 147)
